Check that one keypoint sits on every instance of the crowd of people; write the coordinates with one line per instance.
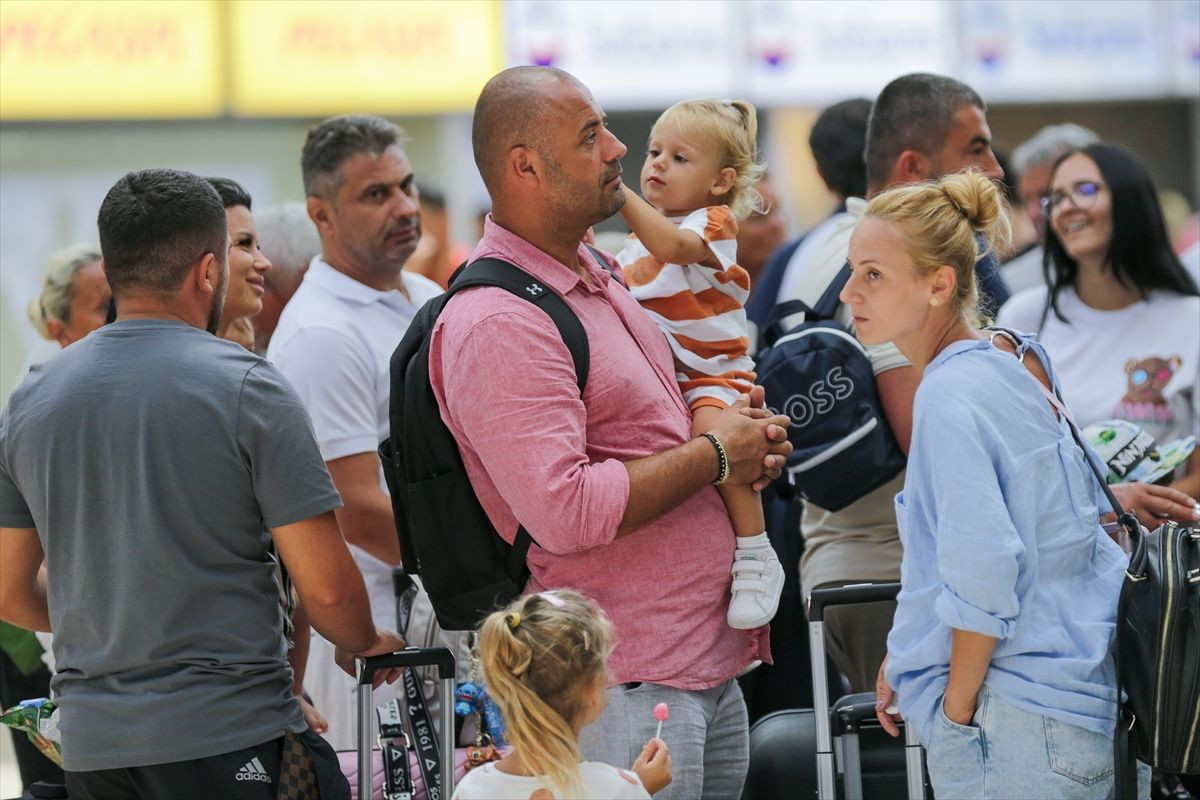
(192, 502)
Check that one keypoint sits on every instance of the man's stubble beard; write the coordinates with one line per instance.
(577, 204)
(218, 303)
(379, 260)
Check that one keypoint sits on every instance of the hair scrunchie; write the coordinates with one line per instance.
(514, 619)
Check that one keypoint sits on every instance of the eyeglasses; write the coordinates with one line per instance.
(1082, 196)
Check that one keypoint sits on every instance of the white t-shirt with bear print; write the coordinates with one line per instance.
(1138, 363)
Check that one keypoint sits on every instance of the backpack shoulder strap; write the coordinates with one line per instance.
(828, 304)
(600, 259)
(494, 272)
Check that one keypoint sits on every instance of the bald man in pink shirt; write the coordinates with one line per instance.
(613, 490)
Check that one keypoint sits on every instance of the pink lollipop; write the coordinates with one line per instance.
(661, 713)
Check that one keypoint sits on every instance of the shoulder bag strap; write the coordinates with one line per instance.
(1124, 758)
(1056, 400)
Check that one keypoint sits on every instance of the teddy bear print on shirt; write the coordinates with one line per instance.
(1146, 381)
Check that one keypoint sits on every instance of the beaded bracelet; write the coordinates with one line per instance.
(722, 459)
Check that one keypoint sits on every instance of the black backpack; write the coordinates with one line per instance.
(445, 536)
(818, 374)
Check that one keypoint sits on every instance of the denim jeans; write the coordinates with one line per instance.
(1008, 752)
(707, 734)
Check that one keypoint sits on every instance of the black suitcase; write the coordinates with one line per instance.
(439, 657)
(851, 744)
(837, 749)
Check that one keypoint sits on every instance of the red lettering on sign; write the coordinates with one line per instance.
(368, 40)
(58, 39)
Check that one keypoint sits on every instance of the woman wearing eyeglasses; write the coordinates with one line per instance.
(1120, 316)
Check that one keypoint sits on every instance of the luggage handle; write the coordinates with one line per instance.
(849, 595)
(818, 600)
(443, 659)
(439, 657)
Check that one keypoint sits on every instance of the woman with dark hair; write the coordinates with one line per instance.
(243, 299)
(1119, 315)
(247, 265)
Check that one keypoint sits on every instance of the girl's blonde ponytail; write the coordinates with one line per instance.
(540, 656)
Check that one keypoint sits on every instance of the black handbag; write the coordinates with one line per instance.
(1158, 653)
(1157, 647)
(1157, 650)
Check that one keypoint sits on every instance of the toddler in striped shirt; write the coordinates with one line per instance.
(681, 265)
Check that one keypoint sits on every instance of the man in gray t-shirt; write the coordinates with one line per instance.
(151, 464)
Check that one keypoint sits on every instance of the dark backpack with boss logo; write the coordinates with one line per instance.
(818, 374)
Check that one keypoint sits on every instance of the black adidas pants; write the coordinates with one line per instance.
(251, 773)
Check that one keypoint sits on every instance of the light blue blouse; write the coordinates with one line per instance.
(999, 518)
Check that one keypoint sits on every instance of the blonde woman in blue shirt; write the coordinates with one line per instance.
(999, 653)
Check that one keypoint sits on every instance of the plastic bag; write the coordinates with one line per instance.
(39, 720)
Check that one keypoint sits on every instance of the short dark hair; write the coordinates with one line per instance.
(232, 193)
(155, 224)
(1139, 253)
(913, 112)
(838, 139)
(331, 142)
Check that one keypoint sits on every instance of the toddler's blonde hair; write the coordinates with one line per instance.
(540, 655)
(940, 220)
(732, 127)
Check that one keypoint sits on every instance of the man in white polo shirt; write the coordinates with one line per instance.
(334, 342)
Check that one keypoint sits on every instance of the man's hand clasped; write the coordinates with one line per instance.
(755, 440)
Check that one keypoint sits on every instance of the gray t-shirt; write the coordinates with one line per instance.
(151, 457)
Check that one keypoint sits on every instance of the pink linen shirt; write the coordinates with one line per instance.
(537, 452)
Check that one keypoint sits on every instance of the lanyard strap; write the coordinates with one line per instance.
(397, 781)
(424, 741)
(1125, 778)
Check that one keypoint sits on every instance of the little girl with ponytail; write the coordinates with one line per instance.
(544, 664)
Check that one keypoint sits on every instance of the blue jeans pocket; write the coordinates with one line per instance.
(955, 757)
(1081, 755)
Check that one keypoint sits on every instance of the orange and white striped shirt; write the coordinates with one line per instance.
(699, 308)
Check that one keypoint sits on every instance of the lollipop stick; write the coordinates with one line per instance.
(658, 733)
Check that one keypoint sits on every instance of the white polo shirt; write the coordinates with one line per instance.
(334, 344)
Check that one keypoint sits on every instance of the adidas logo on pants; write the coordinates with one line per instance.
(253, 771)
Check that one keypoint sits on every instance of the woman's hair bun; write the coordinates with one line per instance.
(975, 196)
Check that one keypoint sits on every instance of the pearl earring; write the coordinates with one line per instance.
(933, 301)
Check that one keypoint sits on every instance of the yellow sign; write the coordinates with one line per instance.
(317, 58)
(72, 59)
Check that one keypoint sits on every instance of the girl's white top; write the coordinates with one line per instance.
(600, 782)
